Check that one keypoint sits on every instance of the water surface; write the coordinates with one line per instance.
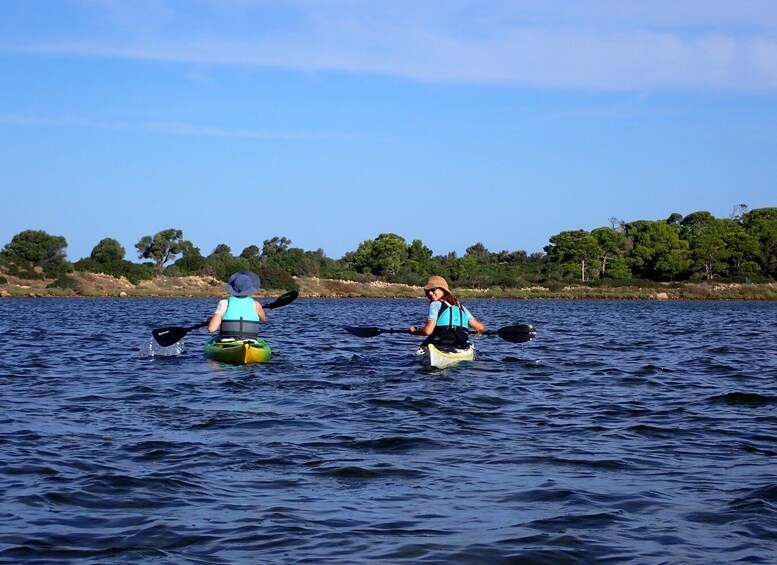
(627, 432)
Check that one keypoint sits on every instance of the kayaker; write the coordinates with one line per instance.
(448, 321)
(239, 315)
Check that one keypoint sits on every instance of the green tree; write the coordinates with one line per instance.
(118, 268)
(515, 257)
(695, 223)
(578, 249)
(468, 270)
(275, 245)
(743, 251)
(279, 262)
(705, 236)
(658, 253)
(361, 259)
(275, 278)
(710, 252)
(190, 263)
(478, 267)
(222, 264)
(479, 253)
(32, 249)
(108, 257)
(612, 261)
(761, 224)
(164, 246)
(250, 252)
(107, 251)
(382, 256)
(674, 219)
(222, 248)
(418, 262)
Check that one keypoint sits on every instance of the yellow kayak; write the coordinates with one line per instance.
(238, 351)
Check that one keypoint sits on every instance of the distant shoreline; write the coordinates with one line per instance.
(92, 285)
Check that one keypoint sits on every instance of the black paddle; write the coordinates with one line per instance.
(168, 336)
(514, 334)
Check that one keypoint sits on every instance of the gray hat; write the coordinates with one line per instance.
(243, 283)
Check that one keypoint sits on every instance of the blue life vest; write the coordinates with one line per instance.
(451, 316)
(240, 320)
(452, 327)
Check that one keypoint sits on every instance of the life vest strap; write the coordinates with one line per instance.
(239, 329)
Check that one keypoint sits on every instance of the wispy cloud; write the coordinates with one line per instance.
(604, 44)
(173, 128)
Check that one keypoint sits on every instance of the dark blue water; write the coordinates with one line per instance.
(627, 432)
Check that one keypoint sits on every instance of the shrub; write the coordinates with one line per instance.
(64, 282)
(133, 272)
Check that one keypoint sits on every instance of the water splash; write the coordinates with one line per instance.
(152, 349)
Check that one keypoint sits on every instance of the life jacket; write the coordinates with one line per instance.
(240, 321)
(451, 329)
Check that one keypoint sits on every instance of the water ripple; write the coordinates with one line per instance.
(627, 432)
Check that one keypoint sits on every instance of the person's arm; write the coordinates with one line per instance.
(426, 329)
(260, 311)
(215, 321)
(431, 320)
(476, 325)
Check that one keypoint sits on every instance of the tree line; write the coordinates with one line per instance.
(696, 247)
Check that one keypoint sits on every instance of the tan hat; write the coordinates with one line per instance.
(436, 282)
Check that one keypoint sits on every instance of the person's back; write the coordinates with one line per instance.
(239, 316)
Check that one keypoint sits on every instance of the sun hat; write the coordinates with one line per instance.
(243, 283)
(436, 282)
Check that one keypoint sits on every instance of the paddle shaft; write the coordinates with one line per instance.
(516, 334)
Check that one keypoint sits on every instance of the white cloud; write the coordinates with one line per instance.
(173, 128)
(604, 44)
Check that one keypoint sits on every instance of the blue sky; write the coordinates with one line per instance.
(330, 122)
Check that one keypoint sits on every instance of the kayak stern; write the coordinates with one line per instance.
(442, 357)
(238, 352)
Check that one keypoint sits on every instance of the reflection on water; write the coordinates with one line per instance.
(628, 432)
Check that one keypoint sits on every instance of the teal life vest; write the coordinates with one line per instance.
(451, 316)
(240, 320)
(451, 329)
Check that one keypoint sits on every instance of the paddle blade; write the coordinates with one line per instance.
(517, 334)
(168, 336)
(363, 331)
(282, 300)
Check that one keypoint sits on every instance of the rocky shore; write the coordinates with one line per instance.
(100, 285)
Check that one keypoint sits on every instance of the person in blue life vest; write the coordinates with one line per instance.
(448, 321)
(239, 316)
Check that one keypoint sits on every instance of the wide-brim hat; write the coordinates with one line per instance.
(436, 282)
(243, 283)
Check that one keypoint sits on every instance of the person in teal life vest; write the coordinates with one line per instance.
(448, 321)
(239, 316)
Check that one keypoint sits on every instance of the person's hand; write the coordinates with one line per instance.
(413, 330)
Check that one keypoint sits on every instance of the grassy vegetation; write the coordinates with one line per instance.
(102, 285)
